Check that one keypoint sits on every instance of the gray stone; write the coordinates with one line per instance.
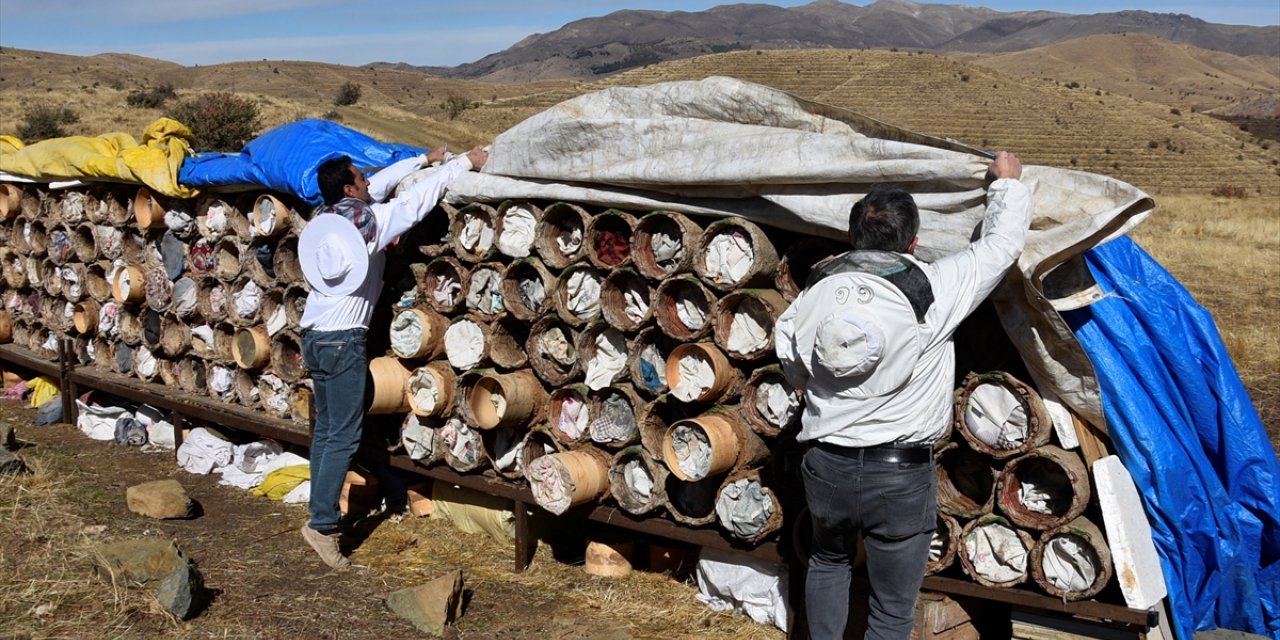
(159, 564)
(161, 499)
(11, 465)
(432, 606)
(182, 592)
(140, 560)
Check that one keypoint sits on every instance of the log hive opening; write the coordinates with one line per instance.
(526, 289)
(770, 404)
(211, 299)
(158, 290)
(700, 447)
(503, 445)
(569, 413)
(747, 508)
(966, 482)
(664, 244)
(506, 400)
(420, 439)
(61, 245)
(14, 267)
(1072, 561)
(994, 553)
(466, 343)
(1001, 416)
(74, 286)
(432, 237)
(1044, 489)
(145, 364)
(692, 503)
(217, 218)
(245, 385)
(418, 333)
(270, 217)
(648, 363)
(202, 255)
(605, 351)
(175, 336)
(431, 390)
(252, 348)
(286, 357)
(51, 278)
(10, 200)
(443, 283)
(130, 326)
(84, 242)
(735, 253)
(274, 395)
(561, 480)
(191, 376)
(508, 336)
(123, 361)
(149, 208)
(152, 322)
(560, 237)
(285, 260)
(626, 300)
(517, 224)
(244, 302)
(577, 294)
(608, 239)
(473, 232)
(614, 412)
(699, 372)
(484, 290)
(637, 481)
(227, 260)
(295, 303)
(682, 307)
(463, 446)
(86, 316)
(302, 403)
(552, 351)
(224, 342)
(744, 322)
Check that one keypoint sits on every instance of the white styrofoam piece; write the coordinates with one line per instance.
(1063, 424)
(1133, 552)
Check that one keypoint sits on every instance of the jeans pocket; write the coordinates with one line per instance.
(818, 491)
(907, 509)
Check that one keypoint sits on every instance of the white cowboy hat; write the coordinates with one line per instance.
(333, 255)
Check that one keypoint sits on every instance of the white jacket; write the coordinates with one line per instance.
(332, 313)
(870, 373)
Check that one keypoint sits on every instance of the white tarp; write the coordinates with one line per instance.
(695, 147)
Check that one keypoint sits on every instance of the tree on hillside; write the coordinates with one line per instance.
(218, 121)
(348, 94)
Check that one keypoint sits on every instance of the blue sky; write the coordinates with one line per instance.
(356, 32)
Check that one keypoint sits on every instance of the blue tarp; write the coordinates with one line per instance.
(1185, 428)
(286, 158)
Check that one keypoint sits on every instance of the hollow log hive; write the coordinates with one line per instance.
(596, 354)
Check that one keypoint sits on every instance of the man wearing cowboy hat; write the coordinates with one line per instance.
(341, 252)
(869, 340)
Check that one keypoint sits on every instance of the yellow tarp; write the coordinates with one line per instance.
(280, 482)
(113, 156)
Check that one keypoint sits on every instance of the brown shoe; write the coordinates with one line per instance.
(326, 547)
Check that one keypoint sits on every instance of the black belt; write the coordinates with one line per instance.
(891, 453)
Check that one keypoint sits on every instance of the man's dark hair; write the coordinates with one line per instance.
(332, 176)
(886, 220)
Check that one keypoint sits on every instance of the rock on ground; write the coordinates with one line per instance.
(161, 499)
(157, 563)
(432, 606)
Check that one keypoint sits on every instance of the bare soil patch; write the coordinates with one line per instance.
(267, 583)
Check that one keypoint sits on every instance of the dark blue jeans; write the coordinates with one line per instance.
(894, 505)
(338, 368)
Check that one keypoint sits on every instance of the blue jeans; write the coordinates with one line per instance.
(338, 368)
(894, 505)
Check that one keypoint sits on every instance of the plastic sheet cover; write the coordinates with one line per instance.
(1186, 430)
(287, 157)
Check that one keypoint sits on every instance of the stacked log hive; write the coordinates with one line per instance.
(599, 355)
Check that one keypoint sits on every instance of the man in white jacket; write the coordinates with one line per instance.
(869, 340)
(341, 251)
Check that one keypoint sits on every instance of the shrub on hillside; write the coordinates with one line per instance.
(151, 97)
(218, 121)
(42, 122)
(455, 105)
(348, 94)
(1229, 191)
